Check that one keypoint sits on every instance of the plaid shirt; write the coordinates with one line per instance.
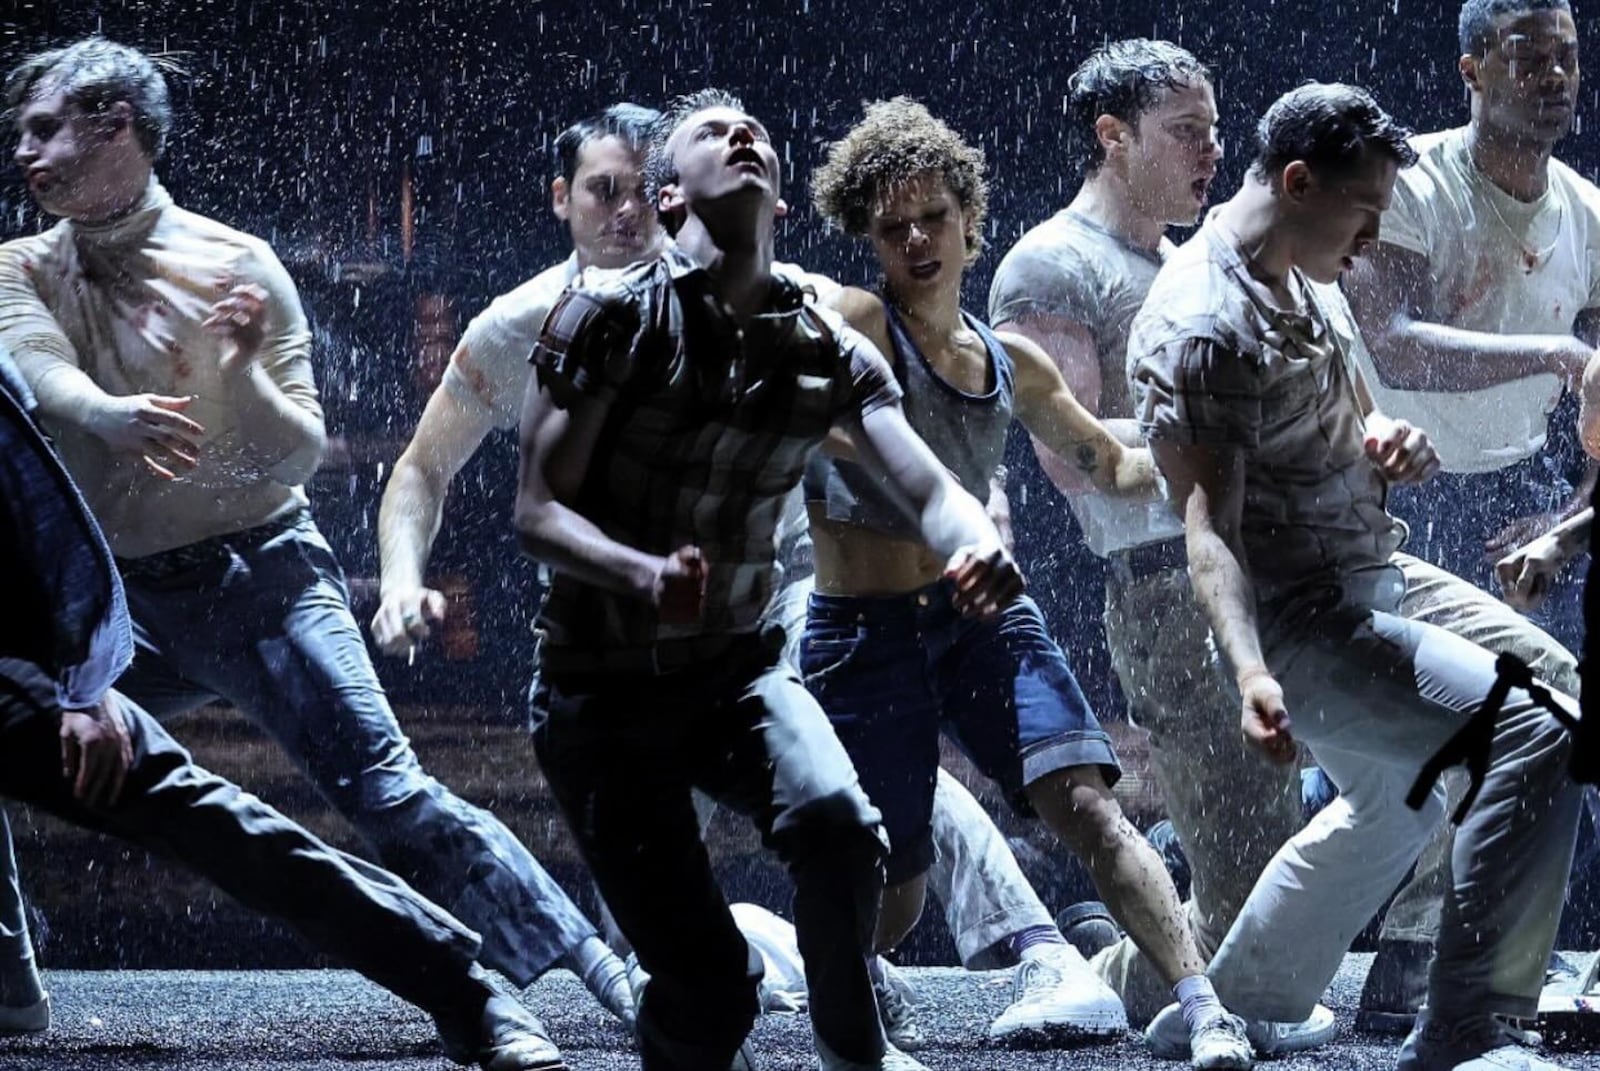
(710, 428)
(1212, 361)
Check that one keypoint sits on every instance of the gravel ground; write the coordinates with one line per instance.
(305, 1020)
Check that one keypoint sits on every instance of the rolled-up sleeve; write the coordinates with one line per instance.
(1196, 390)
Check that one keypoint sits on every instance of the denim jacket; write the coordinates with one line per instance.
(60, 552)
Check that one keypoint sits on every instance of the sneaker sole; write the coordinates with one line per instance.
(33, 1019)
(1053, 1035)
(1385, 1022)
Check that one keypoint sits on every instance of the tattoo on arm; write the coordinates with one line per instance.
(1088, 458)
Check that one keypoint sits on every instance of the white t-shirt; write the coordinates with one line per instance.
(1495, 264)
(1071, 267)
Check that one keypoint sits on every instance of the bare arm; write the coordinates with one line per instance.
(1052, 413)
(1070, 346)
(447, 436)
(1207, 484)
(1527, 574)
(1413, 350)
(556, 447)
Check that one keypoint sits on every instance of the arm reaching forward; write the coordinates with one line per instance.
(1054, 416)
(1207, 484)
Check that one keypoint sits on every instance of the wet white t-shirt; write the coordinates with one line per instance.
(1071, 267)
(1495, 264)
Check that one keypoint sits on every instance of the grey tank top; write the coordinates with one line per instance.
(967, 432)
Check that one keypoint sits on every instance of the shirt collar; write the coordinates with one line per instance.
(126, 229)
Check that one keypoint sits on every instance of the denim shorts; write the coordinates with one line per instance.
(892, 671)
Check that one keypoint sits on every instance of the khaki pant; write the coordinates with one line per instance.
(1231, 809)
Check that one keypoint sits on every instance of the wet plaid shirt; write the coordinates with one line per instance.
(710, 428)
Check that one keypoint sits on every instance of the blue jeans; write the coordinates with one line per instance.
(266, 626)
(892, 671)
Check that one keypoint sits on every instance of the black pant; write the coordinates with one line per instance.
(621, 752)
(347, 908)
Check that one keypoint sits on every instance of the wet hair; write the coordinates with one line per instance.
(1329, 125)
(94, 74)
(1475, 26)
(629, 123)
(1125, 79)
(896, 141)
(659, 169)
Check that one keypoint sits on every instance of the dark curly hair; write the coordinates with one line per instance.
(896, 141)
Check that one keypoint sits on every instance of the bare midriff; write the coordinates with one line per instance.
(852, 560)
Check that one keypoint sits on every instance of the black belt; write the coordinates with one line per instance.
(663, 656)
(1136, 563)
(170, 563)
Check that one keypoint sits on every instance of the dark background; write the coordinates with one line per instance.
(313, 125)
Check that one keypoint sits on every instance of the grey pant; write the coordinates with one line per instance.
(343, 906)
(1440, 598)
(1231, 809)
(975, 876)
(268, 628)
(1374, 695)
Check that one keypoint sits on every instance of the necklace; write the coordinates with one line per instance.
(1532, 256)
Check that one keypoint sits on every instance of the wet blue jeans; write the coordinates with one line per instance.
(265, 624)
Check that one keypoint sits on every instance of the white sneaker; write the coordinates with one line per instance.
(1481, 1043)
(897, 1009)
(1220, 1043)
(1168, 1034)
(26, 1019)
(1056, 997)
(893, 1060)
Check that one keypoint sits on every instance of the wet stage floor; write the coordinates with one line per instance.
(322, 1020)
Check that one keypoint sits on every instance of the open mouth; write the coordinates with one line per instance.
(747, 157)
(1200, 188)
(38, 180)
(926, 270)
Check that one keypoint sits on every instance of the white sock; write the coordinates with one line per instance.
(1197, 999)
